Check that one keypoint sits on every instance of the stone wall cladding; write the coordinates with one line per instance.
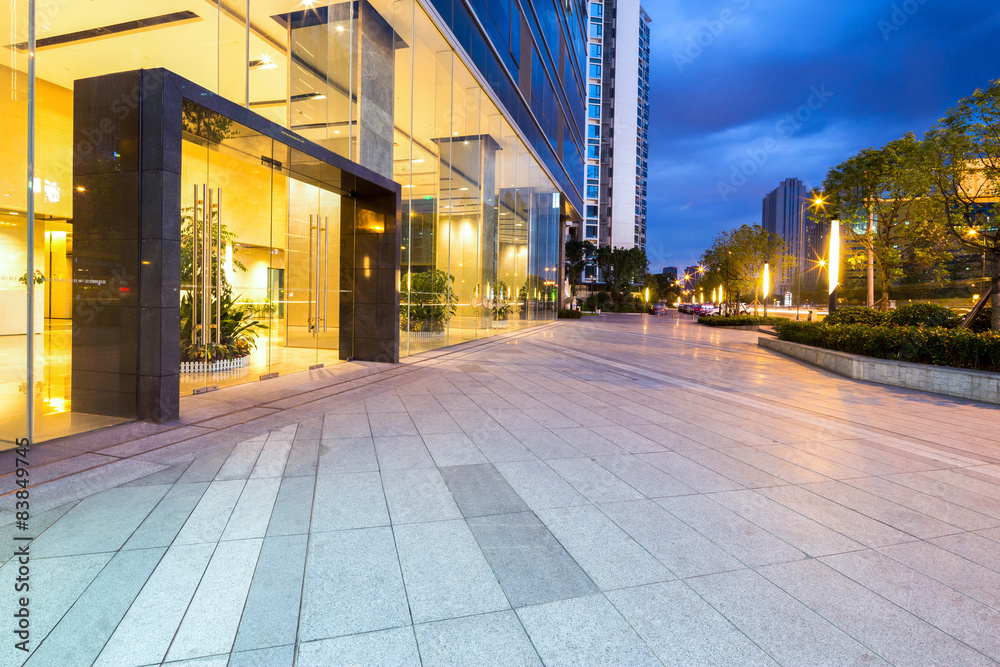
(956, 382)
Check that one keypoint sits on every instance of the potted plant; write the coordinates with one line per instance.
(500, 304)
(427, 302)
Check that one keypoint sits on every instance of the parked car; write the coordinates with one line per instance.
(705, 309)
(659, 309)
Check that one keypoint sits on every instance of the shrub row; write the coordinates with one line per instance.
(567, 314)
(937, 346)
(912, 315)
(737, 320)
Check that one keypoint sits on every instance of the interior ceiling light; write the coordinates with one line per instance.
(140, 25)
(264, 62)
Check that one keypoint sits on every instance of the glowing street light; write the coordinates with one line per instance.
(767, 285)
(834, 268)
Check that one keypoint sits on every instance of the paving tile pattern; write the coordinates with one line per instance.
(613, 491)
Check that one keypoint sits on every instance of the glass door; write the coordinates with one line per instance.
(309, 221)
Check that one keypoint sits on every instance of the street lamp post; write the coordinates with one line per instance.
(833, 271)
(800, 259)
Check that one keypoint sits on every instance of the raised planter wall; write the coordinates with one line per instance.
(957, 382)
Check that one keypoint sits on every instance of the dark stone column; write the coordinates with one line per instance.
(126, 254)
(369, 274)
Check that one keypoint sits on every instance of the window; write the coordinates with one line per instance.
(596, 29)
(591, 192)
(595, 111)
(591, 211)
(595, 50)
(595, 90)
(596, 9)
(594, 131)
(594, 152)
(591, 231)
(595, 71)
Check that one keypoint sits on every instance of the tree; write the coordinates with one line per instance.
(964, 151)
(578, 253)
(621, 268)
(885, 190)
(736, 261)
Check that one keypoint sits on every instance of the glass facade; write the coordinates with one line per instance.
(475, 110)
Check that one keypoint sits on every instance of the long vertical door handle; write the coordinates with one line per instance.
(194, 269)
(218, 275)
(206, 296)
(326, 268)
(309, 296)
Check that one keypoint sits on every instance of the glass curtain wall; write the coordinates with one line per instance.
(375, 81)
(480, 217)
(15, 92)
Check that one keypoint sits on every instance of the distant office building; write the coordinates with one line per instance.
(781, 210)
(617, 124)
(670, 271)
(691, 276)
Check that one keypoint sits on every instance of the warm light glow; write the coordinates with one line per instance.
(647, 294)
(834, 255)
(975, 297)
(972, 232)
(767, 279)
(713, 296)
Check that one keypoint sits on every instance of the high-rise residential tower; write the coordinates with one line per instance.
(617, 124)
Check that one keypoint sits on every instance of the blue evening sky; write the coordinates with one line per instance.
(746, 93)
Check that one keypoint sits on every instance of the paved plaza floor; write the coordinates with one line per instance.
(616, 490)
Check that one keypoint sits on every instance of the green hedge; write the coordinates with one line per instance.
(923, 315)
(566, 314)
(856, 315)
(937, 346)
(737, 320)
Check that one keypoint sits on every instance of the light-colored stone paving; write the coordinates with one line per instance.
(618, 490)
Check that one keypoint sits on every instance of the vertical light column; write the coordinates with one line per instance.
(30, 273)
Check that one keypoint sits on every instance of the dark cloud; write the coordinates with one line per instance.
(722, 83)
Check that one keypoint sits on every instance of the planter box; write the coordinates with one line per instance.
(214, 366)
(956, 382)
(424, 335)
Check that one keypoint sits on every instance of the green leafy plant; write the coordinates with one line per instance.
(856, 315)
(501, 304)
(923, 315)
(959, 348)
(239, 331)
(39, 278)
(738, 320)
(427, 302)
(567, 314)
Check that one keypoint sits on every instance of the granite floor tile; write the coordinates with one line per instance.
(528, 561)
(643, 477)
(683, 550)
(344, 455)
(684, 630)
(271, 614)
(81, 634)
(208, 520)
(349, 501)
(746, 541)
(210, 623)
(495, 639)
(144, 634)
(453, 449)
(418, 495)
(538, 485)
(896, 635)
(396, 647)
(161, 526)
(584, 631)
(402, 452)
(480, 490)
(445, 572)
(593, 481)
(801, 637)
(609, 556)
(352, 584)
(690, 473)
(292, 509)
